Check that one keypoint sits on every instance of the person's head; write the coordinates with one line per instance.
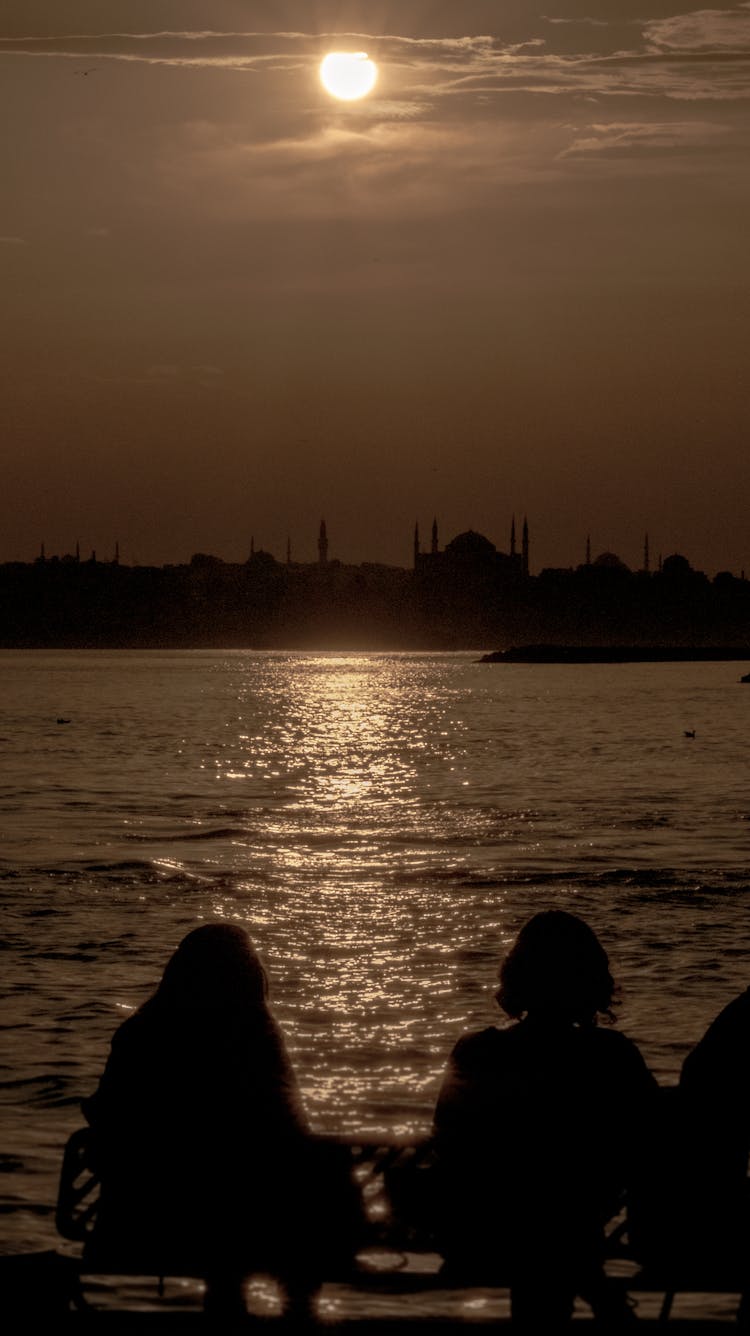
(215, 968)
(558, 969)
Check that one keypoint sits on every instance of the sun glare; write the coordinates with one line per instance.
(348, 75)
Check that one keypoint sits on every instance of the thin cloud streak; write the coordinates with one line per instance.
(691, 57)
(617, 138)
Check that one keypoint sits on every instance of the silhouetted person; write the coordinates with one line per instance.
(715, 1090)
(690, 1214)
(535, 1129)
(715, 1078)
(198, 1130)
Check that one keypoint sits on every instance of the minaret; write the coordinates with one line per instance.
(116, 560)
(416, 544)
(646, 558)
(513, 537)
(434, 544)
(42, 553)
(252, 545)
(322, 545)
(588, 549)
(78, 551)
(288, 551)
(525, 546)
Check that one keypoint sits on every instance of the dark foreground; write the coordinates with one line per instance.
(141, 1324)
(37, 1296)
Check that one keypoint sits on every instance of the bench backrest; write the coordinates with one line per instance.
(391, 1176)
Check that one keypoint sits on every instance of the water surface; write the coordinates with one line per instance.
(383, 825)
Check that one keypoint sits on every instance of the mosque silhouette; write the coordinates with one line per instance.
(464, 595)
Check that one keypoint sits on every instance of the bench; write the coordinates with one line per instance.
(398, 1255)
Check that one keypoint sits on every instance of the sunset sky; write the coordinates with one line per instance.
(515, 278)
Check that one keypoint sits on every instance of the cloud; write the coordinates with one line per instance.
(238, 50)
(13, 241)
(625, 138)
(583, 22)
(694, 56)
(453, 118)
(245, 49)
(703, 30)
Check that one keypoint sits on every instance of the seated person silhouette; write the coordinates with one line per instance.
(535, 1128)
(691, 1212)
(198, 1131)
(715, 1083)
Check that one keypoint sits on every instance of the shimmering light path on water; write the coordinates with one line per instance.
(382, 824)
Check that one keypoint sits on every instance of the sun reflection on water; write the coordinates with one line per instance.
(356, 771)
(382, 825)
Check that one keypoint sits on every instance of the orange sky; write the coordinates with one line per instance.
(514, 279)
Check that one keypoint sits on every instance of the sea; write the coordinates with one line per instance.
(383, 825)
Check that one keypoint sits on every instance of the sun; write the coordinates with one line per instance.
(348, 75)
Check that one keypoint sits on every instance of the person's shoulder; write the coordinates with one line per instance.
(609, 1037)
(736, 1012)
(620, 1054)
(133, 1032)
(127, 1030)
(610, 1042)
(722, 1045)
(479, 1047)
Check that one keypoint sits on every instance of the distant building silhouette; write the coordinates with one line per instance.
(466, 594)
(471, 553)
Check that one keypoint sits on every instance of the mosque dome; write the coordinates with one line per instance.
(609, 561)
(676, 566)
(470, 546)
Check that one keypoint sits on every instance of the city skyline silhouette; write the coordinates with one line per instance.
(460, 595)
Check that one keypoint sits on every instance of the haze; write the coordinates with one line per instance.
(513, 279)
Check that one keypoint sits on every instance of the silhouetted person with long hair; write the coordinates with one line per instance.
(198, 1130)
(535, 1126)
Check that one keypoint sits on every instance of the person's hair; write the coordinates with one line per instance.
(557, 966)
(215, 968)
